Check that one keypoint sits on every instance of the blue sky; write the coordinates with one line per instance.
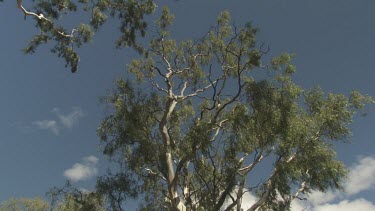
(49, 116)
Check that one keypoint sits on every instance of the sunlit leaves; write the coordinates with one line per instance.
(283, 61)
(358, 101)
(98, 18)
(69, 197)
(142, 68)
(165, 20)
(25, 204)
(85, 34)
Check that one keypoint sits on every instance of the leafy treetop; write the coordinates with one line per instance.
(192, 140)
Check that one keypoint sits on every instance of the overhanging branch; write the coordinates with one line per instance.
(40, 16)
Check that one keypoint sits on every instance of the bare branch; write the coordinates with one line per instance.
(183, 89)
(250, 167)
(269, 183)
(158, 87)
(25, 12)
(67, 35)
(151, 172)
(158, 70)
(197, 92)
(302, 188)
(219, 126)
(169, 67)
(233, 204)
(243, 158)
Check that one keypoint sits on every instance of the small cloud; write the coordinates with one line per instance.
(91, 159)
(47, 125)
(84, 190)
(70, 119)
(318, 197)
(55, 109)
(83, 170)
(60, 122)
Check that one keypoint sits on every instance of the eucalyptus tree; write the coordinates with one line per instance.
(202, 116)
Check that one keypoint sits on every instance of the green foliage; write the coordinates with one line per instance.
(117, 188)
(358, 101)
(70, 198)
(196, 137)
(131, 14)
(67, 198)
(29, 204)
(165, 20)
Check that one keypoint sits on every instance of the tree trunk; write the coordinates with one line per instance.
(172, 190)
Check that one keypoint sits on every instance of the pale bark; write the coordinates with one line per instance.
(40, 16)
(172, 190)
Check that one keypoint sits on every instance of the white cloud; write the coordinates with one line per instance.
(47, 125)
(91, 159)
(317, 197)
(71, 118)
(248, 199)
(83, 170)
(298, 205)
(62, 121)
(345, 205)
(361, 176)
(84, 190)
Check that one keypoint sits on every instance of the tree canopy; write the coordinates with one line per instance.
(211, 119)
(201, 117)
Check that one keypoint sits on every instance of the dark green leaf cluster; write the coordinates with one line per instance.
(116, 189)
(71, 198)
(131, 14)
